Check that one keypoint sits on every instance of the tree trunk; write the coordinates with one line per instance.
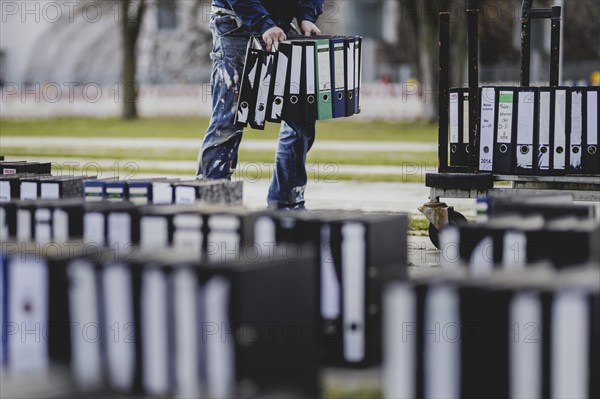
(425, 20)
(131, 21)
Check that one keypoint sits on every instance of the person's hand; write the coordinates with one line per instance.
(272, 35)
(308, 28)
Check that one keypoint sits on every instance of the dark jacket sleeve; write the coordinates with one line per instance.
(253, 14)
(310, 10)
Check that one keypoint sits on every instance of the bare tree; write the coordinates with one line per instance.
(423, 15)
(132, 14)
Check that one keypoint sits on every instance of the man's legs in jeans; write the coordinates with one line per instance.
(289, 178)
(218, 156)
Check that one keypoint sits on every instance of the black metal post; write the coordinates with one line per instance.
(473, 51)
(526, 42)
(555, 47)
(444, 92)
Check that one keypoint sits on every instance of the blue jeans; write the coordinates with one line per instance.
(219, 153)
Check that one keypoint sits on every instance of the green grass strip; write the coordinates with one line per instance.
(348, 129)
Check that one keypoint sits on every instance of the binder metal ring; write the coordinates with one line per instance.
(503, 148)
(294, 99)
(325, 97)
(575, 150)
(524, 149)
(329, 328)
(468, 148)
(544, 150)
(310, 99)
(340, 95)
(244, 105)
(559, 150)
(592, 150)
(278, 101)
(486, 149)
(350, 95)
(453, 148)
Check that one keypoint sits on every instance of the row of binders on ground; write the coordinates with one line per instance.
(305, 79)
(204, 301)
(529, 130)
(39, 183)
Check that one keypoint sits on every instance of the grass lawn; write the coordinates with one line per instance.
(190, 154)
(347, 129)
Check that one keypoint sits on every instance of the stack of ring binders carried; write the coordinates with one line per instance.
(304, 79)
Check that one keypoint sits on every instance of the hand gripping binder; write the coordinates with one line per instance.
(323, 76)
(250, 81)
(459, 126)
(349, 75)
(277, 90)
(527, 100)
(591, 147)
(489, 99)
(504, 143)
(293, 108)
(338, 71)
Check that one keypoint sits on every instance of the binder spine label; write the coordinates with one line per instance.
(525, 130)
(488, 116)
(453, 117)
(544, 132)
(465, 118)
(560, 129)
(353, 279)
(505, 117)
(5, 191)
(576, 137)
(324, 79)
(279, 86)
(339, 66)
(592, 118)
(295, 73)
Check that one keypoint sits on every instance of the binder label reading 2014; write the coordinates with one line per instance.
(505, 116)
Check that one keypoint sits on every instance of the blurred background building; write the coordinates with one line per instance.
(75, 43)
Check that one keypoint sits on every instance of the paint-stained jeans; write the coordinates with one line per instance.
(219, 153)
